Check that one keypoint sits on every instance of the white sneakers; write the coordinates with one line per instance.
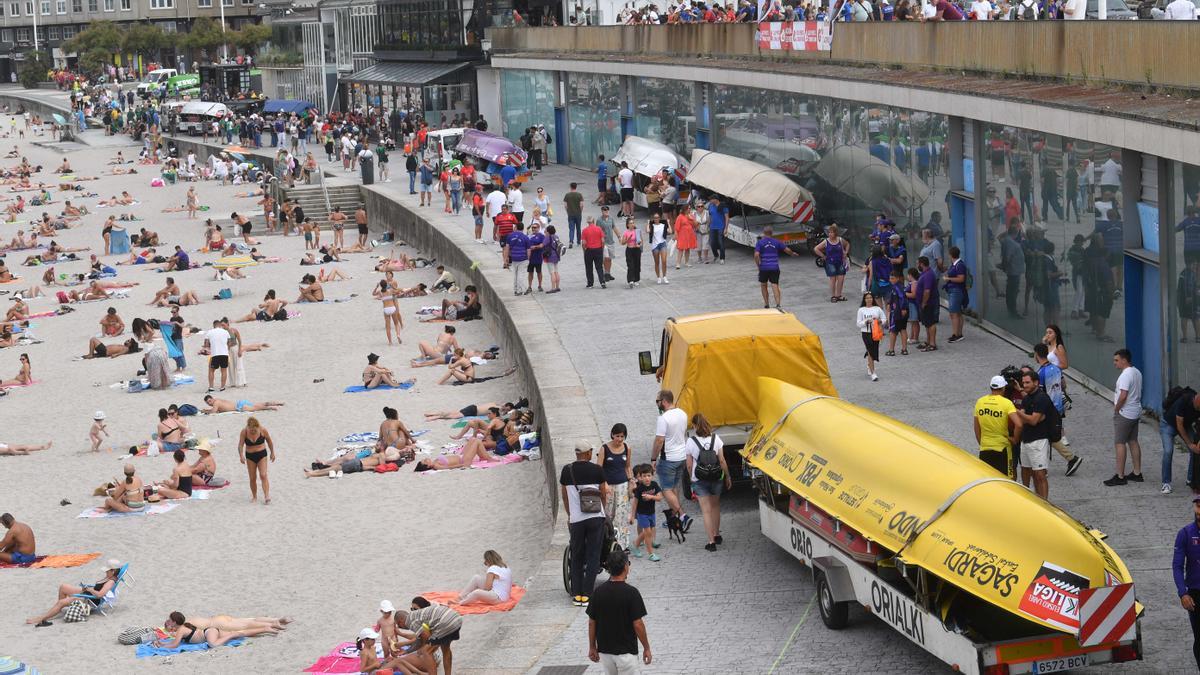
(874, 377)
(335, 474)
(1166, 488)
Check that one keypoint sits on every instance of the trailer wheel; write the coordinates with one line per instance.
(834, 614)
(567, 569)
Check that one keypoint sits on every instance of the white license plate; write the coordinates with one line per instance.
(1058, 665)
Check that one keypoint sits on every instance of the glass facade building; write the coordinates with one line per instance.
(1055, 230)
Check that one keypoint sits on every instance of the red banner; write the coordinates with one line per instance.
(797, 36)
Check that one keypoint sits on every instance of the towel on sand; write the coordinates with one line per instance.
(150, 510)
(56, 561)
(358, 387)
(146, 651)
(11, 666)
(449, 598)
(462, 422)
(341, 659)
(365, 437)
(27, 384)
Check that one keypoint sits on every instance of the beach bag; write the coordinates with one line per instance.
(77, 612)
(708, 465)
(135, 636)
(224, 294)
(187, 410)
(589, 497)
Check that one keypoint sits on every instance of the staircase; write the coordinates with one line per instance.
(311, 198)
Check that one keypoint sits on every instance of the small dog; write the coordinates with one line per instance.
(674, 526)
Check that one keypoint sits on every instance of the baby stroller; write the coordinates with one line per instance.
(606, 547)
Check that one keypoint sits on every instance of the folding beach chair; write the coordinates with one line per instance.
(109, 601)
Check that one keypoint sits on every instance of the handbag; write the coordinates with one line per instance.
(77, 612)
(589, 497)
(876, 330)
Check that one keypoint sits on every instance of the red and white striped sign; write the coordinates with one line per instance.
(802, 212)
(1106, 615)
(795, 36)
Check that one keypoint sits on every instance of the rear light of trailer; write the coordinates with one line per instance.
(1125, 653)
(998, 669)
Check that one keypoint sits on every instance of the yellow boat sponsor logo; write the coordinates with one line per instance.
(983, 568)
(898, 611)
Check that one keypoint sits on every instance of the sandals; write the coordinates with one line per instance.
(841, 298)
(929, 348)
(833, 298)
(903, 352)
(890, 352)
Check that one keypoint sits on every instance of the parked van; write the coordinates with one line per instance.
(195, 114)
(153, 79)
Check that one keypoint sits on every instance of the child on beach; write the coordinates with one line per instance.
(645, 494)
(99, 430)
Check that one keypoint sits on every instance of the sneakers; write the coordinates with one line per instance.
(1166, 489)
(874, 377)
(580, 601)
(665, 281)
(658, 281)
(956, 338)
(654, 557)
(686, 521)
(637, 552)
(1073, 465)
(1135, 478)
(710, 547)
(1115, 481)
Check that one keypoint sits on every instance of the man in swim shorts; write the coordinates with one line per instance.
(19, 545)
(220, 405)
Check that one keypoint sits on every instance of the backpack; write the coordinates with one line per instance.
(589, 497)
(708, 464)
(188, 410)
(1056, 425)
(1176, 393)
(1027, 12)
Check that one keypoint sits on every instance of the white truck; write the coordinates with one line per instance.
(153, 79)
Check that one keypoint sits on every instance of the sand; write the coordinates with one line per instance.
(326, 551)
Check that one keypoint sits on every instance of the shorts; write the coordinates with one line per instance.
(19, 558)
(445, 639)
(100, 351)
(661, 246)
(242, 404)
(670, 473)
(1125, 430)
(426, 187)
(362, 229)
(768, 277)
(172, 299)
(601, 185)
(608, 254)
(502, 447)
(534, 266)
(337, 227)
(352, 466)
(168, 446)
(215, 362)
(626, 194)
(929, 314)
(835, 269)
(958, 300)
(1000, 460)
(645, 521)
(1035, 455)
(552, 268)
(707, 488)
(247, 227)
(469, 411)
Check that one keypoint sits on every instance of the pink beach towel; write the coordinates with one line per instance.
(337, 661)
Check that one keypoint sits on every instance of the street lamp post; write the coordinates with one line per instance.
(224, 45)
(35, 13)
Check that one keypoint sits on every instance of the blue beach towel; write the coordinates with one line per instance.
(358, 387)
(146, 651)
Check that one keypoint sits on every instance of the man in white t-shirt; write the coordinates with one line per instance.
(1180, 10)
(1075, 10)
(1110, 174)
(1127, 408)
(217, 342)
(625, 184)
(668, 457)
(982, 10)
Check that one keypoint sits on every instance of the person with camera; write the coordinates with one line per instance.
(615, 625)
(585, 494)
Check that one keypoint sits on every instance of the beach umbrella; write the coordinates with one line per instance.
(11, 666)
(238, 156)
(234, 261)
(59, 118)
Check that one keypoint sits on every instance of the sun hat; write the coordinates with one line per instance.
(112, 564)
(99, 415)
(203, 445)
(582, 446)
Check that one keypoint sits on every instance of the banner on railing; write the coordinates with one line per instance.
(796, 36)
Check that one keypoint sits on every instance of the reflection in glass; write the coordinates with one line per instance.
(1184, 290)
(663, 113)
(528, 97)
(593, 116)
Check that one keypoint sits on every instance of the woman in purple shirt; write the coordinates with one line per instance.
(550, 256)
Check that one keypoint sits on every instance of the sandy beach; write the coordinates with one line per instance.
(325, 552)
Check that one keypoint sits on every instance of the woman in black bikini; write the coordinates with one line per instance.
(179, 485)
(254, 443)
(185, 632)
(95, 593)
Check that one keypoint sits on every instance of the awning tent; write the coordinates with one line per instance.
(288, 106)
(748, 182)
(646, 157)
(404, 74)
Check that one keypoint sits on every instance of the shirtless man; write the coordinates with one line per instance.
(472, 410)
(311, 290)
(270, 309)
(147, 238)
(19, 546)
(220, 405)
(171, 295)
(140, 257)
(65, 167)
(112, 325)
(351, 464)
(268, 205)
(392, 432)
(23, 449)
(99, 350)
(70, 211)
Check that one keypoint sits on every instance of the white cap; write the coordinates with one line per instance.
(367, 634)
(998, 382)
(387, 606)
(99, 415)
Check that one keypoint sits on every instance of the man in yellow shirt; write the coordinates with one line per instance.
(997, 429)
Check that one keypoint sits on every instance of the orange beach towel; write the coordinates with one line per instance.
(59, 561)
(449, 597)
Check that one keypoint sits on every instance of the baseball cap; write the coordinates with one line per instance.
(367, 634)
(1196, 499)
(998, 382)
(387, 606)
(582, 446)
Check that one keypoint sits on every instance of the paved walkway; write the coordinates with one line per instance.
(752, 595)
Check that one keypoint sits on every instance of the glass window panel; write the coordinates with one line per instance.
(663, 113)
(1184, 292)
(528, 99)
(593, 116)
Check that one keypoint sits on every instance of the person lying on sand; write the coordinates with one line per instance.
(10, 450)
(216, 631)
(352, 463)
(99, 350)
(333, 275)
(94, 594)
(470, 410)
(471, 452)
(220, 405)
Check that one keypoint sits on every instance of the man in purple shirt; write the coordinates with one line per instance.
(766, 257)
(928, 308)
(518, 252)
(1186, 567)
(944, 10)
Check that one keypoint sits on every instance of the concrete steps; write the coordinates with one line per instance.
(312, 199)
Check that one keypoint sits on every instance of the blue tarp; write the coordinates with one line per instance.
(286, 106)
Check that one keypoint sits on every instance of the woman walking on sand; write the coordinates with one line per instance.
(254, 444)
(386, 292)
(193, 202)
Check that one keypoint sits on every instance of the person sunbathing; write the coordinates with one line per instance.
(18, 546)
(141, 257)
(179, 485)
(312, 292)
(71, 211)
(461, 369)
(195, 632)
(119, 159)
(471, 452)
(270, 309)
(8, 449)
(6, 274)
(171, 295)
(466, 309)
(220, 405)
(205, 468)
(18, 242)
(65, 167)
(7, 338)
(112, 324)
(444, 346)
(121, 172)
(177, 261)
(147, 238)
(18, 312)
(400, 264)
(224, 273)
(333, 275)
(93, 594)
(99, 350)
(352, 463)
(491, 427)
(375, 375)
(417, 291)
(471, 410)
(126, 495)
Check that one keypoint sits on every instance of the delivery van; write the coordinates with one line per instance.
(153, 79)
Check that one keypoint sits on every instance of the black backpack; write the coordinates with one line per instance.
(708, 464)
(1176, 393)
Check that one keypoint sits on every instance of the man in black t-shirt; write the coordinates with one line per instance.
(615, 623)
(1180, 420)
(1037, 415)
(580, 482)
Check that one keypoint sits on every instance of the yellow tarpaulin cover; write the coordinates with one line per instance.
(996, 540)
(713, 361)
